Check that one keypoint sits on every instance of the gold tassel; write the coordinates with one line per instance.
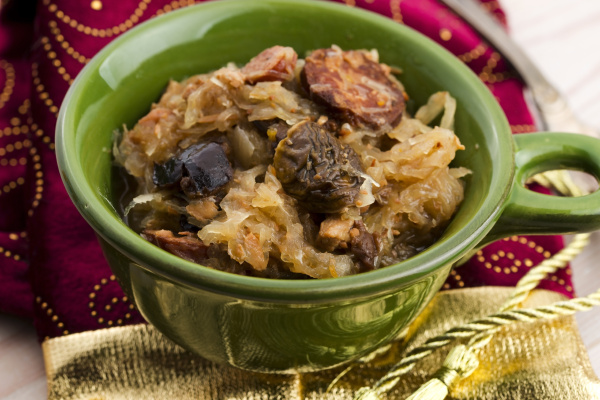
(460, 363)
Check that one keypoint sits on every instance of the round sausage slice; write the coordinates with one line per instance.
(276, 63)
(355, 86)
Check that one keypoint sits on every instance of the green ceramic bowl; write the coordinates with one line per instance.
(284, 326)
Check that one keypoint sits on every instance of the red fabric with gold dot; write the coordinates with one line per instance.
(51, 267)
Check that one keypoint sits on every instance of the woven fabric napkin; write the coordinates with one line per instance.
(51, 267)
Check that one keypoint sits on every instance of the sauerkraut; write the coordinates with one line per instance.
(292, 168)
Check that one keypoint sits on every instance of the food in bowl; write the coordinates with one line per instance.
(293, 168)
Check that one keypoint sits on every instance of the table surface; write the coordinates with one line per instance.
(562, 38)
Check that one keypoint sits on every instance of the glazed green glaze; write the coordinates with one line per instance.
(283, 326)
(533, 213)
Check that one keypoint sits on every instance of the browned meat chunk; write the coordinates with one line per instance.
(337, 233)
(359, 89)
(334, 233)
(276, 63)
(187, 246)
(363, 246)
(203, 209)
(318, 170)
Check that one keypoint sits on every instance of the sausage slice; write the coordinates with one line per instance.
(357, 88)
(276, 63)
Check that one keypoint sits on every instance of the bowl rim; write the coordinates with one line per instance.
(385, 280)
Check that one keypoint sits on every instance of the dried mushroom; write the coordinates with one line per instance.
(318, 170)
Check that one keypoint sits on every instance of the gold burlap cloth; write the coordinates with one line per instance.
(542, 360)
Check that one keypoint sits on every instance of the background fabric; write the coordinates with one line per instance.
(51, 267)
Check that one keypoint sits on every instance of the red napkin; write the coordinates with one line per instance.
(51, 267)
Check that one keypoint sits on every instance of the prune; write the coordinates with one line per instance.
(205, 169)
(200, 169)
(167, 174)
(314, 167)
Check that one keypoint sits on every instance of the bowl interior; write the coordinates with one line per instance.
(118, 86)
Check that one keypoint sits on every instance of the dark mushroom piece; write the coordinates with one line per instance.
(318, 170)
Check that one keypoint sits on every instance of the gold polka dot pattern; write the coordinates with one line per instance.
(107, 32)
(525, 252)
(60, 39)
(55, 62)
(96, 5)
(9, 84)
(52, 315)
(106, 310)
(39, 182)
(41, 90)
(396, 11)
(474, 54)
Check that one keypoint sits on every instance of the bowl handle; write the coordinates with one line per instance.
(528, 212)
